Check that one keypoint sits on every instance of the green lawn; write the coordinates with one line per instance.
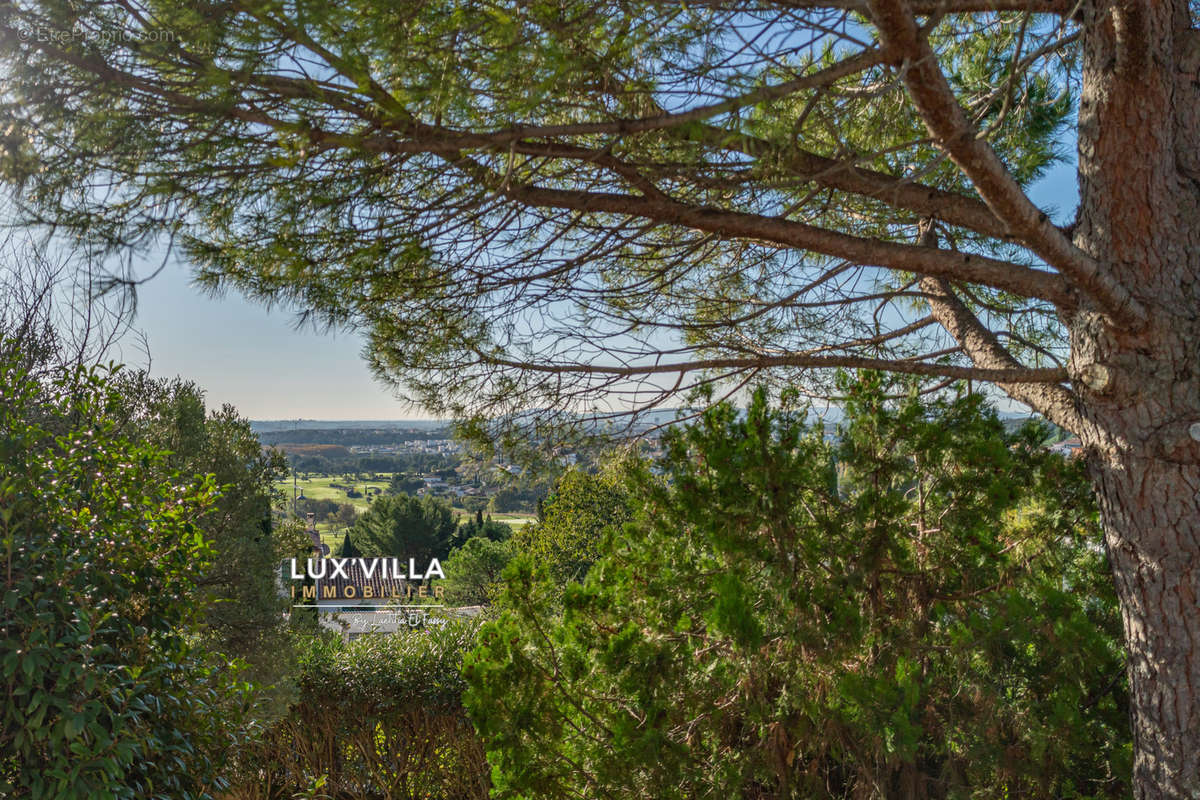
(331, 535)
(320, 489)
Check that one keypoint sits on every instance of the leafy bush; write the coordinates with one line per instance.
(378, 717)
(103, 697)
(573, 519)
(245, 618)
(919, 610)
(473, 571)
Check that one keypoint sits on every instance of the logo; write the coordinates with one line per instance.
(359, 579)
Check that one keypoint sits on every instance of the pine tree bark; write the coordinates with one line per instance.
(1139, 390)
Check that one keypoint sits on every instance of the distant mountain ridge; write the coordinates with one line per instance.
(272, 426)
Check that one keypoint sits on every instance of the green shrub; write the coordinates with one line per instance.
(378, 717)
(473, 571)
(921, 609)
(245, 617)
(103, 697)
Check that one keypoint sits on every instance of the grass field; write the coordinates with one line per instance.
(320, 488)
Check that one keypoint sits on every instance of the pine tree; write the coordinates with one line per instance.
(934, 623)
(572, 205)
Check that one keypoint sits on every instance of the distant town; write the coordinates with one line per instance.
(338, 468)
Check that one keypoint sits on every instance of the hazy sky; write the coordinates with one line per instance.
(242, 353)
(256, 359)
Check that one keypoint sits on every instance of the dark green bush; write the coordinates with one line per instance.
(377, 717)
(919, 610)
(403, 526)
(103, 696)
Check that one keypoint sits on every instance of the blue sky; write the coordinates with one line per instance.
(255, 358)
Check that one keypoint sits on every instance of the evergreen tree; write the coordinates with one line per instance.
(347, 548)
(936, 622)
(399, 526)
(478, 527)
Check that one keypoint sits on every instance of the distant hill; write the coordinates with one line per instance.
(369, 432)
(326, 450)
(348, 432)
(272, 425)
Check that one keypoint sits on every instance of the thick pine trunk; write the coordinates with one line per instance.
(1153, 530)
(1139, 132)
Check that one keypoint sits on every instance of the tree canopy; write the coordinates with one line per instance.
(474, 570)
(523, 202)
(477, 526)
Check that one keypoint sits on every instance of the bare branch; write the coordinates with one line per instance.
(908, 49)
(1004, 375)
(1052, 400)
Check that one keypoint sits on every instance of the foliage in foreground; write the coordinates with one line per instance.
(103, 696)
(243, 609)
(377, 717)
(920, 610)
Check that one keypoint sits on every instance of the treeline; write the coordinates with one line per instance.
(523, 496)
(351, 436)
(420, 463)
